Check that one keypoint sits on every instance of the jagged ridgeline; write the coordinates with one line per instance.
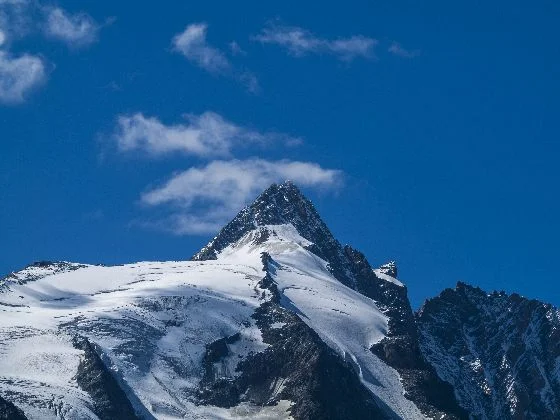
(273, 318)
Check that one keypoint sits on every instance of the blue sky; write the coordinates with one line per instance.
(424, 133)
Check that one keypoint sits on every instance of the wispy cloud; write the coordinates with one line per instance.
(398, 50)
(300, 42)
(205, 135)
(203, 198)
(20, 73)
(192, 43)
(77, 30)
(19, 76)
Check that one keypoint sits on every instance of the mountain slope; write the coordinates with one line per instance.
(149, 322)
(500, 352)
(347, 321)
(284, 204)
(152, 324)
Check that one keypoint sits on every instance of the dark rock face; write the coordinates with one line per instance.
(391, 298)
(317, 380)
(9, 411)
(110, 401)
(400, 349)
(297, 366)
(500, 352)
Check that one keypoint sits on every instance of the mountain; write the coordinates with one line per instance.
(282, 206)
(273, 318)
(500, 352)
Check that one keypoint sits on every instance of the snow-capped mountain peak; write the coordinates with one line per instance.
(279, 204)
(274, 318)
(284, 204)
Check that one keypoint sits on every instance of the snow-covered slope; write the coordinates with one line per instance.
(151, 321)
(349, 322)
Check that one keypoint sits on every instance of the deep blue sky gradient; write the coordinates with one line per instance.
(450, 158)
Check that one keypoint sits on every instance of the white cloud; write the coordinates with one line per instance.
(193, 45)
(202, 199)
(300, 42)
(398, 50)
(78, 30)
(19, 18)
(19, 76)
(204, 135)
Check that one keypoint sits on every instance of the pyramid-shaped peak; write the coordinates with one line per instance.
(287, 185)
(287, 190)
(279, 204)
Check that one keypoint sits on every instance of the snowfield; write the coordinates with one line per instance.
(151, 322)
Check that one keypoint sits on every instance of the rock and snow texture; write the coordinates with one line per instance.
(347, 321)
(400, 347)
(500, 352)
